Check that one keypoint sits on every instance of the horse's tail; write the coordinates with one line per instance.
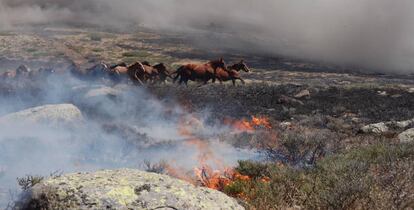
(178, 72)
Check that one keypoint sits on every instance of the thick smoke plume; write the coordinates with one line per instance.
(122, 126)
(375, 34)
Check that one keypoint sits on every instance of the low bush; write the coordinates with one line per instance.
(377, 177)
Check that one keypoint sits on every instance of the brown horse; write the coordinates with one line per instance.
(239, 66)
(226, 75)
(163, 72)
(232, 72)
(151, 72)
(203, 72)
(135, 72)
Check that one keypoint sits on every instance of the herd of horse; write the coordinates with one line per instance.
(144, 73)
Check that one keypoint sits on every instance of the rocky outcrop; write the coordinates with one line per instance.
(58, 113)
(122, 189)
(385, 127)
(407, 136)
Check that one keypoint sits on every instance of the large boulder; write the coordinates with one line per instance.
(57, 113)
(407, 136)
(122, 189)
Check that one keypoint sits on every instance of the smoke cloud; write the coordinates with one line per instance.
(123, 126)
(375, 34)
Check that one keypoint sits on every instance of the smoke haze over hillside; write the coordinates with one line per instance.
(375, 34)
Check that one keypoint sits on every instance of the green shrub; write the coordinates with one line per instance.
(379, 176)
(252, 169)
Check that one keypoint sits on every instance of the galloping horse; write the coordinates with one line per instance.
(135, 72)
(239, 66)
(98, 70)
(203, 72)
(151, 72)
(226, 75)
(163, 72)
(232, 72)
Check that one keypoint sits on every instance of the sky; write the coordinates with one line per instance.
(374, 34)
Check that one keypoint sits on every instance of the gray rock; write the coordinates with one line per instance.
(407, 136)
(401, 124)
(59, 113)
(378, 128)
(123, 189)
(303, 93)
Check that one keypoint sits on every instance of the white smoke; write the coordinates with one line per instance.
(118, 131)
(375, 34)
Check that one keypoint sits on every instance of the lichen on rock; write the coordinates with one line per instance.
(122, 189)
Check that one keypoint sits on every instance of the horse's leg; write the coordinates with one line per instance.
(181, 81)
(175, 78)
(233, 81)
(242, 80)
(138, 79)
(219, 79)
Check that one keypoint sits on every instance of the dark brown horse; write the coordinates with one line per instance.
(202, 72)
(232, 72)
(163, 72)
(239, 66)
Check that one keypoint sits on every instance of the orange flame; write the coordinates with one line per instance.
(216, 179)
(245, 125)
(205, 175)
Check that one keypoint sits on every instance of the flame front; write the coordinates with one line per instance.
(205, 175)
(251, 125)
(216, 179)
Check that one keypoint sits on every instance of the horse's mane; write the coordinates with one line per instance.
(160, 64)
(136, 64)
(232, 66)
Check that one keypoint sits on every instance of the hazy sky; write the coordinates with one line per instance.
(372, 33)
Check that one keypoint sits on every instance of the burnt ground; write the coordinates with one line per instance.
(265, 99)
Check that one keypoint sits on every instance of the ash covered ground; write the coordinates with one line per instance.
(124, 125)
